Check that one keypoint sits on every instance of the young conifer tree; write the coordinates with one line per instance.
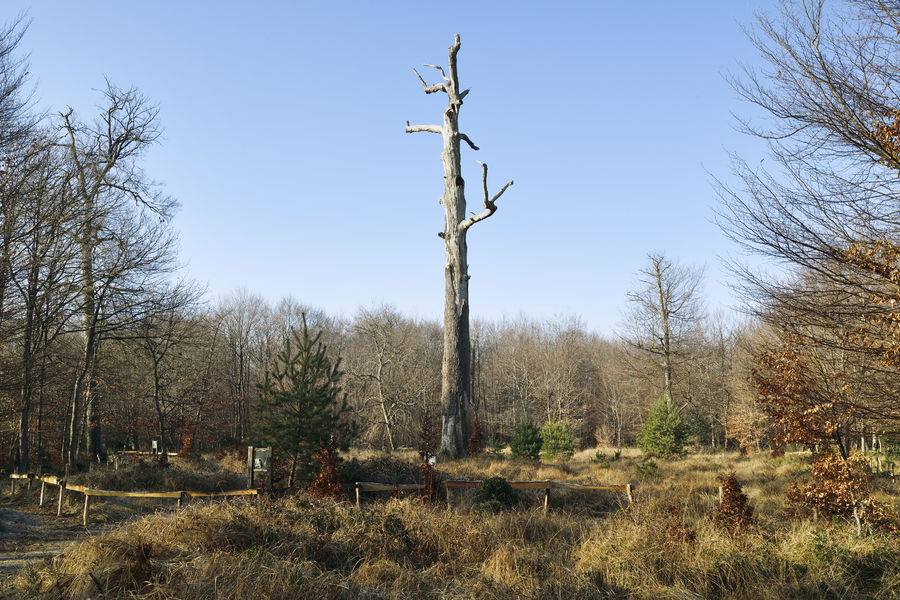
(301, 404)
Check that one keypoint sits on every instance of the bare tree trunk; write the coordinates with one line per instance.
(27, 361)
(388, 425)
(81, 393)
(666, 339)
(456, 381)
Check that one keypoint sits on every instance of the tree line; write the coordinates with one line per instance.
(104, 343)
(190, 377)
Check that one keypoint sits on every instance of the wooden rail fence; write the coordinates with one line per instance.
(64, 486)
(546, 485)
(360, 486)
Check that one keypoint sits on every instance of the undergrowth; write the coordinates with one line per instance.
(665, 545)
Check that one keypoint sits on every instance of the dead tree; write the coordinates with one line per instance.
(455, 371)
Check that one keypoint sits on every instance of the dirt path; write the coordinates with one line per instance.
(29, 534)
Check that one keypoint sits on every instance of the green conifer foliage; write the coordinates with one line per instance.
(556, 440)
(664, 432)
(301, 405)
(526, 442)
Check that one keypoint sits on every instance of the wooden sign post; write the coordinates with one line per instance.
(259, 460)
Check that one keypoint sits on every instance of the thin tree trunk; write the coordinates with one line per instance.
(159, 411)
(27, 363)
(666, 348)
(383, 405)
(81, 390)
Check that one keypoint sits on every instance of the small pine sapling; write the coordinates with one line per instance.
(664, 433)
(526, 441)
(301, 404)
(556, 441)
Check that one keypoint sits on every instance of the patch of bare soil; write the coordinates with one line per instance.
(30, 533)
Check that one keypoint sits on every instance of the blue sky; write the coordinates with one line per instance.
(284, 140)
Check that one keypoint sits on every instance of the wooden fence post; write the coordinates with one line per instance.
(87, 503)
(62, 496)
(180, 501)
(357, 494)
(43, 485)
(250, 466)
(447, 492)
(628, 493)
(28, 485)
(547, 497)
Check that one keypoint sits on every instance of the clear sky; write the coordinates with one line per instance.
(284, 140)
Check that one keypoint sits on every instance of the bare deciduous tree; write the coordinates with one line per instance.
(825, 213)
(456, 382)
(122, 250)
(665, 306)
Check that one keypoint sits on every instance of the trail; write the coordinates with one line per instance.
(29, 534)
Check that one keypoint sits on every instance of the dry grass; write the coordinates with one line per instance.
(195, 476)
(297, 547)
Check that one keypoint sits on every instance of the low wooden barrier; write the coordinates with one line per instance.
(144, 453)
(64, 486)
(546, 485)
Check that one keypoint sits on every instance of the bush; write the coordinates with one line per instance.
(840, 488)
(733, 513)
(647, 470)
(526, 442)
(676, 532)
(600, 459)
(497, 494)
(556, 441)
(327, 483)
(496, 447)
(664, 433)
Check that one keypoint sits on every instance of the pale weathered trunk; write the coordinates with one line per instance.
(81, 392)
(456, 384)
(455, 376)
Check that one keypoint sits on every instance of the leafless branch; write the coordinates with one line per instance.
(439, 68)
(418, 128)
(490, 206)
(466, 139)
(430, 89)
